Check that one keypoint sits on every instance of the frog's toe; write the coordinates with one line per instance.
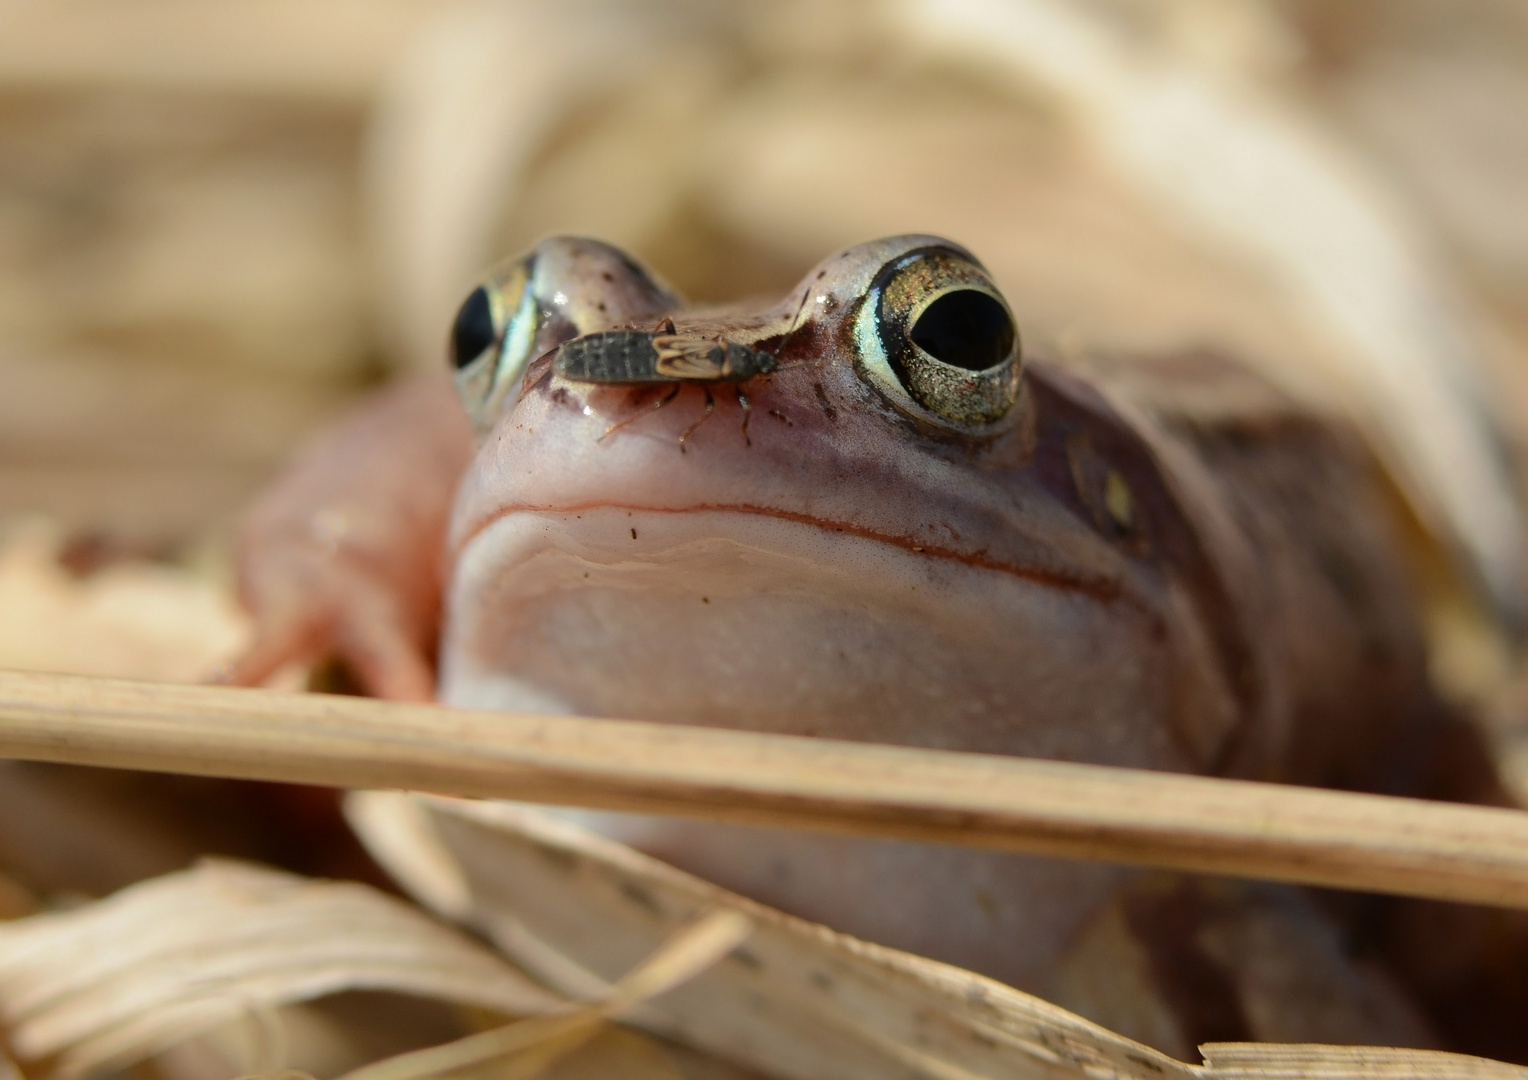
(385, 660)
(374, 648)
(275, 647)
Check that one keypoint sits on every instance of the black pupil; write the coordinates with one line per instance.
(965, 329)
(473, 330)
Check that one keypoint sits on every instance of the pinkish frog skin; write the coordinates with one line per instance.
(903, 533)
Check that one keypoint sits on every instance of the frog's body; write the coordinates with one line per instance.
(1161, 564)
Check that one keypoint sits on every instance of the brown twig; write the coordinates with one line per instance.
(1373, 843)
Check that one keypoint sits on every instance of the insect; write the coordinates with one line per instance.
(634, 357)
(641, 358)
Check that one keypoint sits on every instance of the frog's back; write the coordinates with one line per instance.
(1306, 562)
(1315, 562)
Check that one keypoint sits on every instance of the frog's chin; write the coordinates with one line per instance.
(743, 620)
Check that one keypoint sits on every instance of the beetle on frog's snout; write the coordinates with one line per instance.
(624, 357)
(637, 358)
(634, 358)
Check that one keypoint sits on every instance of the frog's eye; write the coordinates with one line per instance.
(474, 331)
(566, 288)
(493, 337)
(938, 339)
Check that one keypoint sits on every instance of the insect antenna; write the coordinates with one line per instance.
(795, 324)
(710, 408)
(664, 400)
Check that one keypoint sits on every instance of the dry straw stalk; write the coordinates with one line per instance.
(1367, 842)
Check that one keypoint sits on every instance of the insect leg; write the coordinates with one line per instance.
(710, 407)
(742, 403)
(664, 400)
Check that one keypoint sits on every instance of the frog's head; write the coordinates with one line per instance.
(831, 514)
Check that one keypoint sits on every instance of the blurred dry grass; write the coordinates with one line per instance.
(180, 300)
(182, 284)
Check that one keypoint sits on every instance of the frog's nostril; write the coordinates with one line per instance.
(965, 328)
(473, 331)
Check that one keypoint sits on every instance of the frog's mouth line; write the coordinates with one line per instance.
(743, 619)
(1098, 587)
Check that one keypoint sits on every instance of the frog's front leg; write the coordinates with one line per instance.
(344, 556)
(1177, 962)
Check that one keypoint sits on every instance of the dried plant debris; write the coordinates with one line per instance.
(525, 1048)
(1235, 1061)
(167, 964)
(116, 982)
(72, 610)
(796, 1001)
(220, 964)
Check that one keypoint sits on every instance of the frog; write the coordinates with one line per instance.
(868, 510)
